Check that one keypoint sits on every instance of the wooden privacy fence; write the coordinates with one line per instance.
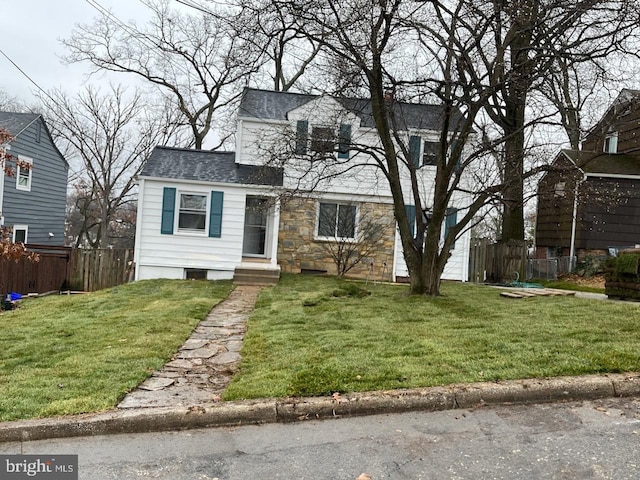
(95, 269)
(49, 273)
(497, 262)
(64, 268)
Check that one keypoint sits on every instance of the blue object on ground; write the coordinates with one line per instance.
(15, 296)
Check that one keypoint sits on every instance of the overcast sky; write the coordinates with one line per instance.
(30, 31)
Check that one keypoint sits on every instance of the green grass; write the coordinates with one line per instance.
(72, 354)
(303, 340)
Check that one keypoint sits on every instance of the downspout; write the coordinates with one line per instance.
(2, 175)
(574, 218)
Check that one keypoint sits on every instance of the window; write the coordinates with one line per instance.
(611, 143)
(423, 152)
(193, 212)
(24, 173)
(430, 153)
(20, 233)
(560, 189)
(195, 274)
(337, 220)
(323, 140)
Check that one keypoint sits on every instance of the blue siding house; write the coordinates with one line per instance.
(33, 201)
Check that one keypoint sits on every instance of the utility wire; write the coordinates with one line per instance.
(26, 75)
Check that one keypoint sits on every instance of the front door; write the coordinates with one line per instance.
(255, 227)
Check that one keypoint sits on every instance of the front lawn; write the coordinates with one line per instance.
(302, 340)
(71, 354)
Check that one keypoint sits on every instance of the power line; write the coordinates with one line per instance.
(26, 75)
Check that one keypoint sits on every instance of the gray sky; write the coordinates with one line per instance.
(29, 34)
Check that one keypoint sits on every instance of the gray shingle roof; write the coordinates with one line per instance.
(16, 122)
(270, 105)
(207, 166)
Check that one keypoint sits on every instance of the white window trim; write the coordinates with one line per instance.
(191, 231)
(613, 143)
(27, 187)
(338, 239)
(20, 227)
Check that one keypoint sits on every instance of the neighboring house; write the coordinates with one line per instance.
(210, 214)
(589, 204)
(33, 200)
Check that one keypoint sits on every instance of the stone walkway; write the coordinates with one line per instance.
(202, 368)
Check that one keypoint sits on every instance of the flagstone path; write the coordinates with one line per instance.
(202, 368)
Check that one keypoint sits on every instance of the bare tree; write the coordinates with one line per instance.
(481, 61)
(380, 40)
(196, 61)
(286, 53)
(525, 40)
(9, 103)
(111, 134)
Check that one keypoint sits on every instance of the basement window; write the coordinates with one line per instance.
(195, 274)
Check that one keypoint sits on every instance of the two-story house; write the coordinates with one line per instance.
(33, 198)
(589, 204)
(302, 177)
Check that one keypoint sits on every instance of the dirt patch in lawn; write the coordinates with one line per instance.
(594, 281)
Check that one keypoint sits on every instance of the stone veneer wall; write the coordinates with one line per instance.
(299, 250)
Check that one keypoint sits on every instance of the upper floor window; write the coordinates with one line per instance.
(430, 153)
(24, 173)
(423, 152)
(337, 220)
(611, 143)
(323, 139)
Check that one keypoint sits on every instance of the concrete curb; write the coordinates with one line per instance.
(465, 396)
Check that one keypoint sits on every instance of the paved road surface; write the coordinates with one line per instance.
(588, 440)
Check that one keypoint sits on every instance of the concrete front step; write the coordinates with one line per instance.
(256, 276)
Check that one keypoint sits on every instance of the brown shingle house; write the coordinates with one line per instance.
(589, 204)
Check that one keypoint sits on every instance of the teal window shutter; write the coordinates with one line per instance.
(411, 216)
(168, 210)
(451, 218)
(415, 143)
(215, 214)
(344, 140)
(302, 136)
(452, 147)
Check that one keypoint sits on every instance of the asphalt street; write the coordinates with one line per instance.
(580, 440)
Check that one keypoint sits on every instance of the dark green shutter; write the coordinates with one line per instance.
(415, 143)
(451, 218)
(344, 140)
(302, 136)
(411, 216)
(215, 214)
(168, 210)
(452, 147)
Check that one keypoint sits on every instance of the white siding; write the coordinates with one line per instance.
(167, 256)
(457, 267)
